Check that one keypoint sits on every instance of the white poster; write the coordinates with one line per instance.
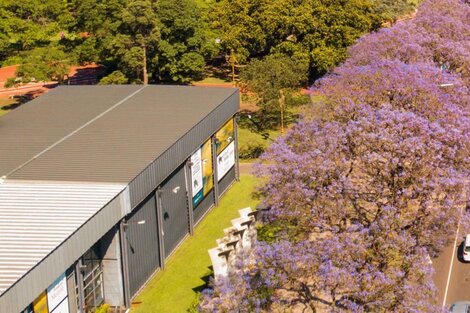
(196, 172)
(56, 292)
(63, 307)
(225, 160)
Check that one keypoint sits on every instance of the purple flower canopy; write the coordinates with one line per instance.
(364, 193)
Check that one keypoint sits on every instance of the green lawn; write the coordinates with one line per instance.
(6, 103)
(248, 138)
(214, 80)
(173, 289)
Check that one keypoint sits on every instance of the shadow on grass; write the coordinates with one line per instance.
(87, 76)
(218, 68)
(23, 98)
(206, 279)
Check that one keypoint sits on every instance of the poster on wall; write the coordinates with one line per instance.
(224, 137)
(225, 160)
(40, 304)
(57, 292)
(196, 172)
(57, 295)
(201, 172)
(207, 173)
(63, 307)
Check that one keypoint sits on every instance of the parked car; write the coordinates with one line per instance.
(466, 249)
(460, 307)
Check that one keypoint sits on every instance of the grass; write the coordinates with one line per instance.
(174, 289)
(213, 80)
(247, 138)
(5, 103)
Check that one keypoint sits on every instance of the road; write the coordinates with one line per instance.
(452, 275)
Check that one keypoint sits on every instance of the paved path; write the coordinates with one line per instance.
(245, 168)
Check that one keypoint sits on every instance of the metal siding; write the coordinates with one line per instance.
(227, 180)
(70, 108)
(203, 206)
(169, 160)
(73, 160)
(174, 211)
(142, 244)
(48, 267)
(118, 145)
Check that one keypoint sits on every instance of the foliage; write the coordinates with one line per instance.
(25, 25)
(313, 33)
(391, 10)
(104, 308)
(139, 30)
(271, 79)
(361, 196)
(172, 41)
(12, 82)
(269, 76)
(44, 64)
(115, 78)
(183, 47)
(239, 32)
(436, 37)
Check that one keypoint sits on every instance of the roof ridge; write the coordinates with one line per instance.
(74, 132)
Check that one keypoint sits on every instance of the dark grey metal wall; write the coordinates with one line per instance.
(142, 244)
(177, 154)
(203, 206)
(174, 204)
(227, 180)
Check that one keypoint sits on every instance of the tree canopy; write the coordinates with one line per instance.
(173, 40)
(365, 193)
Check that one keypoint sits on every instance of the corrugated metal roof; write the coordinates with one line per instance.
(118, 145)
(37, 217)
(36, 125)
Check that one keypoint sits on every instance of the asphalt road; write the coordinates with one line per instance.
(452, 275)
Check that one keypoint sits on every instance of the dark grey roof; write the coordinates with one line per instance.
(100, 133)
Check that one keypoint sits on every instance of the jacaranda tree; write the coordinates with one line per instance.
(363, 195)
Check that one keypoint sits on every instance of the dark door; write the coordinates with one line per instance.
(174, 210)
(142, 244)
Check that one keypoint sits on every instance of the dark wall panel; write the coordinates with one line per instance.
(202, 207)
(142, 244)
(168, 161)
(227, 180)
(174, 210)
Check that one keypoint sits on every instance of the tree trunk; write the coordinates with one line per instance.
(232, 63)
(144, 67)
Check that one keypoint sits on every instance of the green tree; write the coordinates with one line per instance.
(315, 33)
(28, 24)
(95, 25)
(271, 79)
(391, 10)
(184, 41)
(140, 29)
(239, 30)
(115, 78)
(44, 64)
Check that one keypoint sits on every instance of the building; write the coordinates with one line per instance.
(101, 183)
